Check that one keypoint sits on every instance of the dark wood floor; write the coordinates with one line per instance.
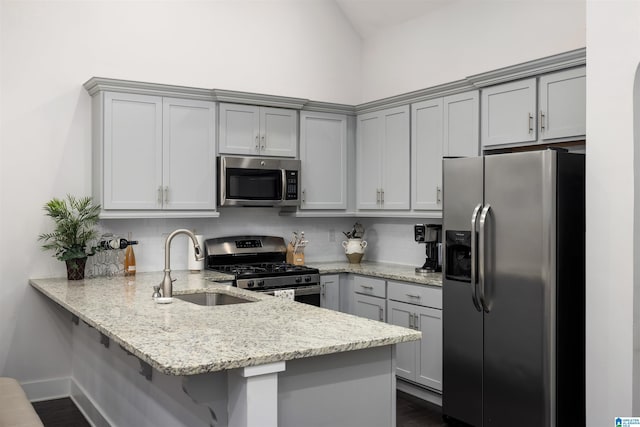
(410, 412)
(414, 412)
(60, 413)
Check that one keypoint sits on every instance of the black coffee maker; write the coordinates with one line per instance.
(431, 236)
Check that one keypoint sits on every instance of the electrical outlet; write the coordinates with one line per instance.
(332, 235)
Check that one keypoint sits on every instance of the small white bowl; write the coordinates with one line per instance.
(163, 300)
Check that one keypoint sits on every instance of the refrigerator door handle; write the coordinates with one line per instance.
(474, 258)
(481, 258)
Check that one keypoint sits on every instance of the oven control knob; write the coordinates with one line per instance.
(260, 282)
(307, 279)
(250, 284)
(298, 279)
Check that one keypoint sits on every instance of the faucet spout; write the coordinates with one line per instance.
(167, 283)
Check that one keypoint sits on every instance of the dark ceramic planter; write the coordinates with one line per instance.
(75, 268)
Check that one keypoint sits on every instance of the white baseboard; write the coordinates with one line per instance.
(54, 388)
(419, 392)
(88, 407)
(58, 388)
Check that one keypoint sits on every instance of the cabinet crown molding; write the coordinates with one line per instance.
(536, 67)
(99, 84)
(570, 59)
(236, 97)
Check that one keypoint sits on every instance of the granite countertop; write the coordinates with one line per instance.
(404, 273)
(182, 338)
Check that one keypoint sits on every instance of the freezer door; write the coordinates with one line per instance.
(462, 321)
(519, 288)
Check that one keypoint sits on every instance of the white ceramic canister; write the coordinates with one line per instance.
(354, 249)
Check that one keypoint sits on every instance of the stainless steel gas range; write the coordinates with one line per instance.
(258, 264)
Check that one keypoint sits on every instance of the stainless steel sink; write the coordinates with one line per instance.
(212, 298)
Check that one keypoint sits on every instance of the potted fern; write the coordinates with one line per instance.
(75, 220)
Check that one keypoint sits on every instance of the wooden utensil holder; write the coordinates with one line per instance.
(295, 258)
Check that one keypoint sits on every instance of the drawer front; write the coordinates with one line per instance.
(427, 296)
(370, 286)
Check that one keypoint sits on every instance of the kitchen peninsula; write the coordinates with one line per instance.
(260, 363)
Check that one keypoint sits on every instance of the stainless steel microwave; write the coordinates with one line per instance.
(258, 181)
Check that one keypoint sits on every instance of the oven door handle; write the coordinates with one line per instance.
(303, 290)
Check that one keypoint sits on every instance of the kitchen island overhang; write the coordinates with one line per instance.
(296, 360)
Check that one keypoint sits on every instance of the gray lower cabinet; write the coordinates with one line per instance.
(330, 292)
(373, 308)
(420, 308)
(370, 298)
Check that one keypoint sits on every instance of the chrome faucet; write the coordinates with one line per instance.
(167, 283)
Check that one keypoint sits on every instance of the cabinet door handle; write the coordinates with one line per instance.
(263, 144)
(413, 296)
(377, 195)
(257, 143)
(438, 193)
(367, 287)
(166, 194)
(304, 195)
(382, 196)
(410, 320)
(322, 290)
(159, 194)
(530, 122)
(542, 120)
(381, 311)
(416, 322)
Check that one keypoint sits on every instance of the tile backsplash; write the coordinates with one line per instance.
(389, 240)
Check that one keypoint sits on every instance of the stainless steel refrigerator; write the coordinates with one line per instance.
(513, 289)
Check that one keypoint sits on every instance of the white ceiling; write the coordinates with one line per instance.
(371, 16)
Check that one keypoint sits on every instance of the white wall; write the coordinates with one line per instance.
(49, 49)
(613, 55)
(462, 38)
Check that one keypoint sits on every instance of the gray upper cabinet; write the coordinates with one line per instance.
(129, 152)
(188, 155)
(383, 159)
(440, 127)
(550, 108)
(461, 122)
(509, 113)
(255, 130)
(153, 153)
(323, 157)
(563, 104)
(426, 155)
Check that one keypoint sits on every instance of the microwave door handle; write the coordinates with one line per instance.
(283, 194)
(474, 257)
(482, 259)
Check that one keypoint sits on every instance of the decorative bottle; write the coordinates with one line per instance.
(129, 256)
